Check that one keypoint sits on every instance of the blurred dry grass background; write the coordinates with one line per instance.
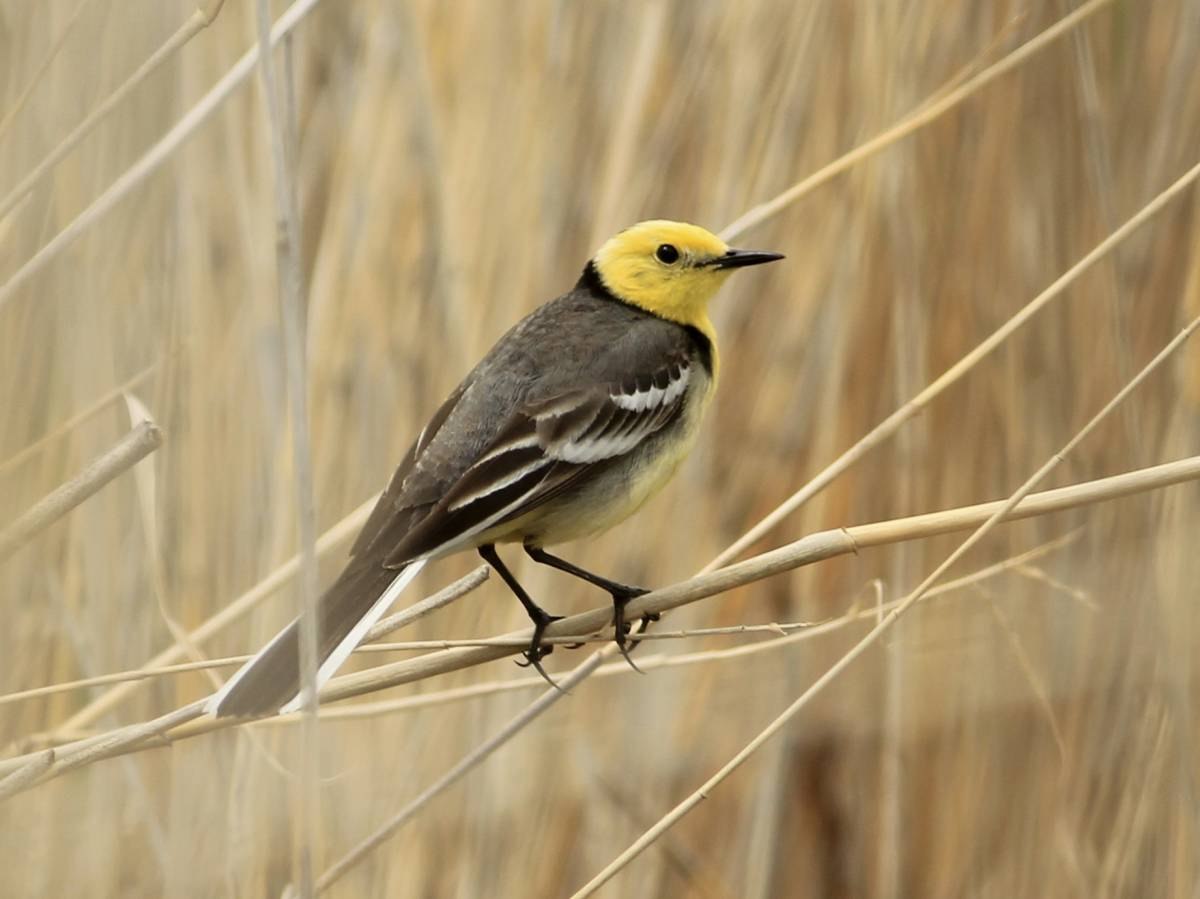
(458, 162)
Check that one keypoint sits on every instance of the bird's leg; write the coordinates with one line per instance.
(621, 595)
(539, 616)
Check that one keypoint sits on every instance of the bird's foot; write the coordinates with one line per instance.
(536, 652)
(621, 598)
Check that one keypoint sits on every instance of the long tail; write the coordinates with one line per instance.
(270, 681)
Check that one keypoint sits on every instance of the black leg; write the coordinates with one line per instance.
(620, 593)
(539, 616)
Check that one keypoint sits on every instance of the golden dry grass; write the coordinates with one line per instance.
(458, 162)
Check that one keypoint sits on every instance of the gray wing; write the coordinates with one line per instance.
(548, 446)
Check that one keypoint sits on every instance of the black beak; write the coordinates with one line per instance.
(741, 258)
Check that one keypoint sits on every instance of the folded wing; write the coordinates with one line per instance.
(548, 446)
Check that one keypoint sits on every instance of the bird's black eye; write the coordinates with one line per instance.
(666, 254)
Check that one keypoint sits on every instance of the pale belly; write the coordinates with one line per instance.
(606, 502)
(610, 497)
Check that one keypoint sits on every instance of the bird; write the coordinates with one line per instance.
(576, 416)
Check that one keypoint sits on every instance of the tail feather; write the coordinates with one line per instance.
(270, 681)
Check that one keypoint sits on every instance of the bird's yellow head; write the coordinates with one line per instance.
(671, 269)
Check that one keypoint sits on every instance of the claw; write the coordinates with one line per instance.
(536, 652)
(621, 626)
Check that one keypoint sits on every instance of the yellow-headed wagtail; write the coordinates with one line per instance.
(574, 419)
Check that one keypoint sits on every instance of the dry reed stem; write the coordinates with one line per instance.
(28, 774)
(131, 449)
(448, 594)
(428, 606)
(1036, 683)
(42, 67)
(813, 548)
(153, 158)
(137, 674)
(700, 876)
(1100, 173)
(922, 116)
(462, 768)
(779, 629)
(281, 117)
(120, 677)
(873, 636)
(241, 605)
(623, 145)
(92, 749)
(804, 633)
(590, 666)
(970, 70)
(77, 419)
(893, 422)
(201, 18)
(146, 487)
(1080, 596)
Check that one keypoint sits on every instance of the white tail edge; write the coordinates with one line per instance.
(340, 653)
